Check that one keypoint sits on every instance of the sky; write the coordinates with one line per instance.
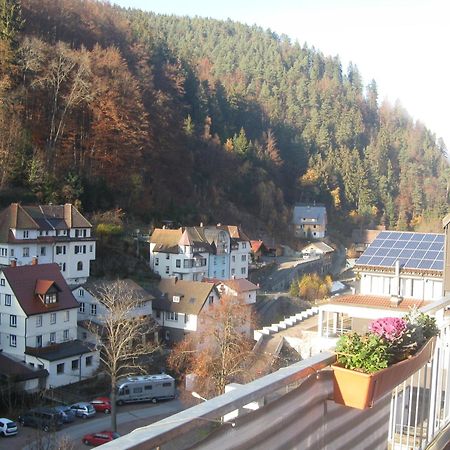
(402, 44)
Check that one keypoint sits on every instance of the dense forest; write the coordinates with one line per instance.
(197, 119)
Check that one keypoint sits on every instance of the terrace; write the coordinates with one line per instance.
(294, 408)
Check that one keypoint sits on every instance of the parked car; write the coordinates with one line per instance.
(83, 410)
(7, 427)
(45, 418)
(100, 438)
(67, 414)
(101, 404)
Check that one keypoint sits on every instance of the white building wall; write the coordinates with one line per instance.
(239, 259)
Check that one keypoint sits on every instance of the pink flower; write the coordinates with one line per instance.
(389, 328)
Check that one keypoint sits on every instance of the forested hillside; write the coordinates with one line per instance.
(197, 119)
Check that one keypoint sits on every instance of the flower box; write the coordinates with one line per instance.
(360, 390)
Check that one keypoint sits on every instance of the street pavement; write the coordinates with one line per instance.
(129, 417)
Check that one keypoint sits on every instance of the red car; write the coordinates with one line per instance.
(100, 438)
(101, 404)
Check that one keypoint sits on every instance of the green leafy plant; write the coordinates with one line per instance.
(388, 341)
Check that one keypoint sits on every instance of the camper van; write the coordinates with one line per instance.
(145, 388)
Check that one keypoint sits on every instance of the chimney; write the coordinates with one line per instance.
(34, 261)
(13, 262)
(68, 214)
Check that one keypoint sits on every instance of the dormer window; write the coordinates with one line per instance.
(25, 234)
(50, 298)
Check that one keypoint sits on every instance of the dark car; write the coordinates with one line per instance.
(67, 414)
(100, 438)
(46, 419)
(101, 404)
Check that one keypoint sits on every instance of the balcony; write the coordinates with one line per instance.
(294, 408)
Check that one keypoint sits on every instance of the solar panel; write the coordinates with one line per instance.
(412, 250)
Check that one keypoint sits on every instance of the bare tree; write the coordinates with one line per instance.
(125, 335)
(221, 351)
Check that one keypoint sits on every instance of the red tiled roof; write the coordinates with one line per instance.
(377, 301)
(42, 286)
(24, 281)
(256, 245)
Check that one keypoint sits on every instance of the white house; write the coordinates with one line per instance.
(51, 233)
(310, 221)
(91, 308)
(403, 264)
(243, 289)
(178, 305)
(38, 323)
(194, 253)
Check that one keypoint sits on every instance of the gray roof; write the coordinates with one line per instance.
(314, 212)
(61, 351)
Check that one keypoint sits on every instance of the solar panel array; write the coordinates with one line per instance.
(413, 250)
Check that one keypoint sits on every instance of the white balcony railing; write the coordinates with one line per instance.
(296, 410)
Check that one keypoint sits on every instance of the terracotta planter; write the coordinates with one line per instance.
(360, 390)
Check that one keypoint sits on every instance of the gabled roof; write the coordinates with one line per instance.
(240, 285)
(192, 294)
(94, 287)
(258, 245)
(310, 212)
(235, 232)
(322, 246)
(43, 286)
(25, 279)
(40, 217)
(61, 351)
(166, 237)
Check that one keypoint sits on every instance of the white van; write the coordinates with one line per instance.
(145, 388)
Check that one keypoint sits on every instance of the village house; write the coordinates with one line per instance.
(179, 304)
(362, 238)
(51, 233)
(324, 251)
(38, 324)
(398, 271)
(258, 250)
(194, 253)
(91, 308)
(310, 221)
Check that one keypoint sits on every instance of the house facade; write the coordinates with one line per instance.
(39, 323)
(194, 253)
(179, 304)
(403, 264)
(48, 233)
(310, 221)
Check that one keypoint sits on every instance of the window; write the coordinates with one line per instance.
(94, 310)
(223, 273)
(66, 316)
(167, 384)
(84, 233)
(52, 337)
(7, 299)
(178, 263)
(12, 340)
(52, 318)
(137, 390)
(13, 320)
(62, 267)
(26, 252)
(38, 321)
(66, 335)
(2, 281)
(170, 315)
(25, 234)
(60, 368)
(156, 261)
(60, 249)
(12, 252)
(148, 387)
(244, 258)
(77, 233)
(75, 364)
(211, 300)
(186, 318)
(80, 265)
(50, 298)
(88, 361)
(81, 307)
(77, 249)
(167, 256)
(39, 340)
(43, 250)
(80, 292)
(91, 248)
(243, 271)
(233, 258)
(3, 251)
(244, 245)
(167, 269)
(232, 271)
(158, 314)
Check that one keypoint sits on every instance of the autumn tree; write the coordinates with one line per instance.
(125, 338)
(220, 352)
(312, 287)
